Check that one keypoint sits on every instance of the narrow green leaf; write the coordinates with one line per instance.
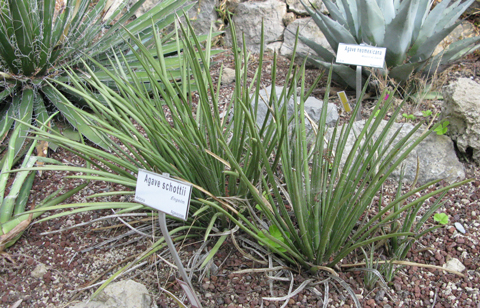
(214, 250)
(7, 113)
(342, 74)
(46, 22)
(24, 33)
(333, 30)
(333, 11)
(74, 117)
(7, 165)
(24, 113)
(325, 54)
(8, 206)
(210, 225)
(7, 47)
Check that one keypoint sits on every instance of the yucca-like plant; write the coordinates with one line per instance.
(37, 40)
(158, 127)
(410, 30)
(315, 211)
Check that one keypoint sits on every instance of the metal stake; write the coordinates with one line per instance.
(163, 226)
(359, 91)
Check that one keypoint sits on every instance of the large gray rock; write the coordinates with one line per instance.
(462, 108)
(122, 294)
(309, 30)
(297, 7)
(313, 108)
(436, 154)
(202, 15)
(248, 18)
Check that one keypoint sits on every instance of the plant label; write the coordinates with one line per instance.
(361, 55)
(344, 99)
(163, 193)
(190, 294)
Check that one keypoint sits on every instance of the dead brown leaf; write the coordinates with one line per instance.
(16, 231)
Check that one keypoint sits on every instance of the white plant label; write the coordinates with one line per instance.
(361, 55)
(163, 193)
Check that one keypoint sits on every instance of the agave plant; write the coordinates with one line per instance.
(315, 211)
(39, 37)
(410, 30)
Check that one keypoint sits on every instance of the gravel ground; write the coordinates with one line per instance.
(56, 269)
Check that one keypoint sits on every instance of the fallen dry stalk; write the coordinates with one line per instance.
(408, 264)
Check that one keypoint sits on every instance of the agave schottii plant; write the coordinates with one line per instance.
(38, 38)
(409, 29)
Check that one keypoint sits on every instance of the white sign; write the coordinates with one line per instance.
(163, 193)
(361, 55)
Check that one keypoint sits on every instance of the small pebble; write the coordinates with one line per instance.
(379, 296)
(460, 228)
(39, 271)
(454, 264)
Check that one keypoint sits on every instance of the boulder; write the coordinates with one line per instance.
(461, 107)
(313, 107)
(297, 7)
(122, 294)
(202, 15)
(248, 17)
(436, 154)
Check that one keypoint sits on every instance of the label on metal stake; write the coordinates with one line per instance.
(344, 100)
(163, 193)
(361, 55)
